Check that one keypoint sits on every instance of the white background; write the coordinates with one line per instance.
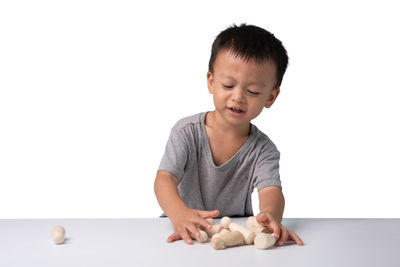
(89, 91)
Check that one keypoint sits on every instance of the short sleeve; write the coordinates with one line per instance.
(175, 155)
(266, 171)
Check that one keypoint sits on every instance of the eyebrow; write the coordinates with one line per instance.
(257, 83)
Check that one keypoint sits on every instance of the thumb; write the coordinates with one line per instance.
(267, 220)
(261, 218)
(208, 213)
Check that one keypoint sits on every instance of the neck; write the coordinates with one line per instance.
(218, 123)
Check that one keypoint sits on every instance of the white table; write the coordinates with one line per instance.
(141, 242)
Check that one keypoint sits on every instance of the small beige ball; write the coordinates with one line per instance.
(225, 222)
(58, 234)
(203, 237)
(264, 241)
(224, 232)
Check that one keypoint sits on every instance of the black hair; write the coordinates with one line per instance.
(251, 42)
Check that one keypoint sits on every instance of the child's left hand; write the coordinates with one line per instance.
(279, 231)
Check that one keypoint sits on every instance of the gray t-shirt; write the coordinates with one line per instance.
(205, 186)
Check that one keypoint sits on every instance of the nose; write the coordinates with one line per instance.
(238, 95)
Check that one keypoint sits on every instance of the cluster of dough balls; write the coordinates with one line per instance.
(229, 234)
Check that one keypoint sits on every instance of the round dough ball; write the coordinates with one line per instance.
(58, 234)
(216, 242)
(203, 237)
(224, 232)
(264, 241)
(225, 222)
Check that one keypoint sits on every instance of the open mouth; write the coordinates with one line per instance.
(237, 110)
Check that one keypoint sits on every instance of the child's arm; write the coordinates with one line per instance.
(184, 219)
(165, 188)
(272, 200)
(272, 204)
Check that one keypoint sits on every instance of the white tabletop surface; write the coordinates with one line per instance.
(142, 242)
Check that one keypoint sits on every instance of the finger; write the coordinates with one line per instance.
(284, 236)
(293, 236)
(262, 218)
(193, 231)
(174, 237)
(273, 225)
(186, 237)
(203, 222)
(208, 213)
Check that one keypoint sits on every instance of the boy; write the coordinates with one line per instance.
(213, 160)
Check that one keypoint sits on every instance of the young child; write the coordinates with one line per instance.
(213, 160)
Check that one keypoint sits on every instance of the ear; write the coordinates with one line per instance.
(272, 97)
(210, 82)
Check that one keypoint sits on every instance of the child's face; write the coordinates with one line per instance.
(241, 90)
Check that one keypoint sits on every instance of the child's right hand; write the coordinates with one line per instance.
(187, 221)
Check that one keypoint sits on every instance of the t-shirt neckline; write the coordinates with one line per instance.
(207, 148)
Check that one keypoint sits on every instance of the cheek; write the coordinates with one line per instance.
(219, 95)
(219, 99)
(258, 107)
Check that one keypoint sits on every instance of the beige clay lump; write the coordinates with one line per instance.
(58, 234)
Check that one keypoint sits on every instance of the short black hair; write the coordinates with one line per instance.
(251, 42)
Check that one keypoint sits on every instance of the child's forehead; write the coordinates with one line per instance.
(228, 63)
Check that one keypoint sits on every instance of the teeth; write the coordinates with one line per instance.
(236, 109)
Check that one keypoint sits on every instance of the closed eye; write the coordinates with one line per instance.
(253, 93)
(227, 86)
